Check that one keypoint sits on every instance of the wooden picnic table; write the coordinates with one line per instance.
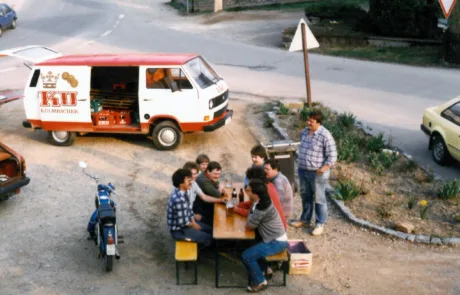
(229, 227)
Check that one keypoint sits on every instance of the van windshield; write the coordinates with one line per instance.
(201, 72)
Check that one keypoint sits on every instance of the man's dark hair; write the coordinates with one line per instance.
(256, 173)
(317, 115)
(191, 165)
(273, 163)
(202, 158)
(213, 166)
(259, 150)
(179, 176)
(260, 189)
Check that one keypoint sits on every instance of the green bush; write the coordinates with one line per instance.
(349, 13)
(347, 149)
(346, 190)
(346, 120)
(449, 190)
(283, 110)
(381, 161)
(404, 18)
(376, 143)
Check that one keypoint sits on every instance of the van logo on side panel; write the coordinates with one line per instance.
(58, 98)
(49, 80)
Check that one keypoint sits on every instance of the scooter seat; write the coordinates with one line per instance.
(106, 213)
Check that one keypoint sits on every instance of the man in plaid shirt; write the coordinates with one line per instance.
(317, 154)
(181, 220)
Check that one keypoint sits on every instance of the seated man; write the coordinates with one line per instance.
(264, 217)
(282, 184)
(209, 184)
(195, 190)
(181, 220)
(258, 173)
(258, 156)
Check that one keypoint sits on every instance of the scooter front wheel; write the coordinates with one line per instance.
(108, 262)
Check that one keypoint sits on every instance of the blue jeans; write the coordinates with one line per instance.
(254, 259)
(202, 237)
(313, 194)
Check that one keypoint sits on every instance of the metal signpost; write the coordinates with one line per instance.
(304, 40)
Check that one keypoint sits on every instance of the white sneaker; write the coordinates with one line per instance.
(318, 230)
(258, 288)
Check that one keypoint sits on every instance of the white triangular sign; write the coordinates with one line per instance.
(296, 44)
(447, 6)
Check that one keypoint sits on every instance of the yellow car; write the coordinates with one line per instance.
(442, 125)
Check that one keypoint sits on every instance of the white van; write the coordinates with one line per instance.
(160, 95)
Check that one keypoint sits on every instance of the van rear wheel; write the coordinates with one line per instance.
(167, 136)
(61, 138)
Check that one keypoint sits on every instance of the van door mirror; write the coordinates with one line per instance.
(174, 86)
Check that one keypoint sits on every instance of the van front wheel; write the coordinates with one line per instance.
(61, 138)
(167, 136)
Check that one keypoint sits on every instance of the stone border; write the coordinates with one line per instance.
(347, 212)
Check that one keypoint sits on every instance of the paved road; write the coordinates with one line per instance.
(390, 98)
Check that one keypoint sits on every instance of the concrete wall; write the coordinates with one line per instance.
(208, 5)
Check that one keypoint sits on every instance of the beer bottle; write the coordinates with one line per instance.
(234, 196)
(241, 196)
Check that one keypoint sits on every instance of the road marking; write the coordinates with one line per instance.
(106, 33)
(7, 70)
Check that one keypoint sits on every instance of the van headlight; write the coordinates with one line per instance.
(211, 103)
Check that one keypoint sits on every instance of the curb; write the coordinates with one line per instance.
(423, 239)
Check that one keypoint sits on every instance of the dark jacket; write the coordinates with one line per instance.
(209, 188)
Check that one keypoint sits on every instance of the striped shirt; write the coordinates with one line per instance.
(316, 150)
(179, 212)
(286, 195)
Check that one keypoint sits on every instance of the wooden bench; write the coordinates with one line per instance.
(186, 252)
(284, 259)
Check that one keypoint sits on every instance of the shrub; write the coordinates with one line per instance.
(346, 120)
(376, 143)
(411, 203)
(347, 149)
(346, 190)
(449, 190)
(283, 110)
(349, 13)
(381, 161)
(404, 18)
(408, 166)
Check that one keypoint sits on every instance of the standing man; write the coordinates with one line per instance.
(283, 186)
(317, 154)
(209, 184)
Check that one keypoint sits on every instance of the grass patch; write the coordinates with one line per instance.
(300, 6)
(449, 190)
(417, 56)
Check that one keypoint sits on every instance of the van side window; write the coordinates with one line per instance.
(179, 77)
(34, 80)
(157, 78)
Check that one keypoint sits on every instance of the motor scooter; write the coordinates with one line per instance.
(103, 226)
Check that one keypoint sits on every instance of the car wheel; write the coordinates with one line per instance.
(439, 151)
(167, 136)
(13, 25)
(61, 138)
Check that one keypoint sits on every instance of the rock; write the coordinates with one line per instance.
(436, 241)
(410, 238)
(293, 104)
(451, 241)
(422, 239)
(404, 227)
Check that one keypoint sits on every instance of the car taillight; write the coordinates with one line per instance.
(24, 166)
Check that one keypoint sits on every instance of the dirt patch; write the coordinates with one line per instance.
(391, 187)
